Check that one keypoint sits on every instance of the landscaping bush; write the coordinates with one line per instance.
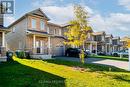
(20, 54)
(23, 54)
(9, 55)
(27, 55)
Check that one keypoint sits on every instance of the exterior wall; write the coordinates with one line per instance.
(57, 46)
(16, 39)
(63, 31)
(38, 19)
(55, 30)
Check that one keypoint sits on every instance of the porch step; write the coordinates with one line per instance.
(37, 56)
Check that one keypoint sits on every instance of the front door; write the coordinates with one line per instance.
(39, 47)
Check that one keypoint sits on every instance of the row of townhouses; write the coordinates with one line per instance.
(100, 42)
(34, 33)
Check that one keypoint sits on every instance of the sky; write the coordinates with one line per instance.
(111, 16)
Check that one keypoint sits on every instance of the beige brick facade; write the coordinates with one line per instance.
(38, 41)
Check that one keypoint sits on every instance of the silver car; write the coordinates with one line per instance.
(122, 52)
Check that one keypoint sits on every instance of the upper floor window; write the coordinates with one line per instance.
(59, 31)
(98, 38)
(107, 40)
(42, 25)
(33, 22)
(115, 42)
(54, 31)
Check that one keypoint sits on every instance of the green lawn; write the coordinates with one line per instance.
(59, 73)
(109, 57)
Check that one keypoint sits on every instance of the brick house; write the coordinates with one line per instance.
(116, 44)
(33, 32)
(99, 37)
(3, 31)
(101, 42)
(109, 44)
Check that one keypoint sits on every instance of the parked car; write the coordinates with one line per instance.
(116, 53)
(88, 52)
(101, 53)
(122, 52)
(73, 52)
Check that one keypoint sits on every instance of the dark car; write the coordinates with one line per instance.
(73, 52)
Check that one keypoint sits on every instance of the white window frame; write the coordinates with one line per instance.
(34, 26)
(42, 24)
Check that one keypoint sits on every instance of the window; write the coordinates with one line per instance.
(54, 31)
(114, 42)
(42, 25)
(59, 31)
(13, 29)
(98, 38)
(107, 40)
(33, 23)
(37, 44)
(48, 31)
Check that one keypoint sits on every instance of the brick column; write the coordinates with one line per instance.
(3, 51)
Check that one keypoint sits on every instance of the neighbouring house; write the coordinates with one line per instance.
(99, 37)
(116, 44)
(109, 45)
(32, 32)
(3, 31)
(91, 45)
(102, 43)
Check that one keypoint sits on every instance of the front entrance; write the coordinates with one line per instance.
(39, 47)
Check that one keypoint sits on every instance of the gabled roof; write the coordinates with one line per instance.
(37, 12)
(114, 38)
(49, 23)
(99, 33)
(109, 35)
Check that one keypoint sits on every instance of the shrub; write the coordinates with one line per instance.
(27, 55)
(20, 54)
(9, 55)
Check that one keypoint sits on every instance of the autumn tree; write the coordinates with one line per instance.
(78, 29)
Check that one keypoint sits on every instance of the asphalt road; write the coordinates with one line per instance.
(115, 63)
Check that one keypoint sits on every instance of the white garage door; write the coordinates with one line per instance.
(59, 51)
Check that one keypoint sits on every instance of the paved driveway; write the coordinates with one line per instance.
(116, 63)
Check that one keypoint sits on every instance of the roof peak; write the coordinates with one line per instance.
(39, 12)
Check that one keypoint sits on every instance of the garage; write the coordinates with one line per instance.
(59, 51)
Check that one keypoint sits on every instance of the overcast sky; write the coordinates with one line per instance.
(112, 16)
